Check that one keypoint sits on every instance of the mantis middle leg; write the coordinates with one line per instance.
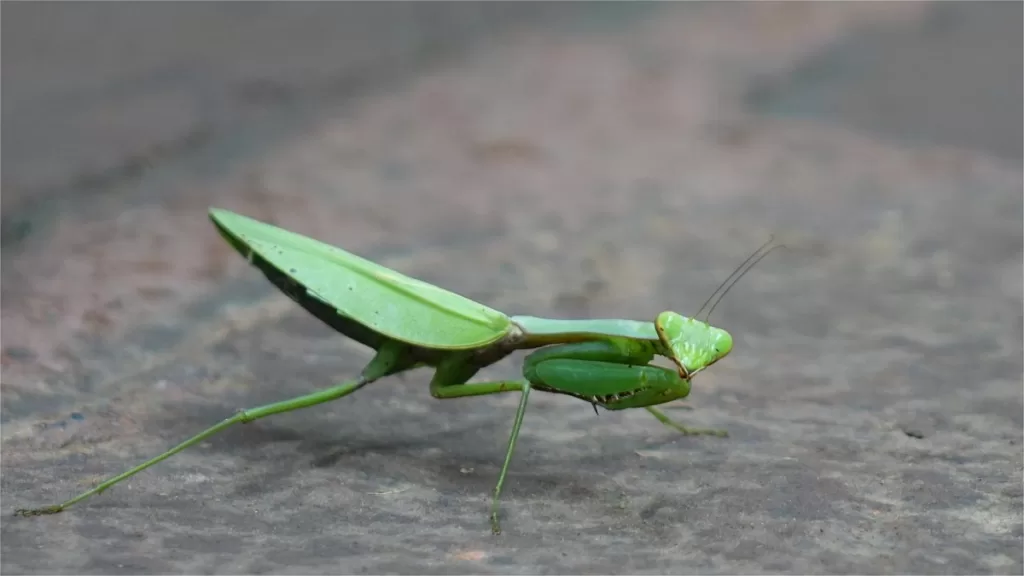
(614, 374)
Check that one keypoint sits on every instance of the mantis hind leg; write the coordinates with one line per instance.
(390, 358)
(240, 417)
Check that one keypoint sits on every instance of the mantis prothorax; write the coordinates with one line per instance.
(412, 324)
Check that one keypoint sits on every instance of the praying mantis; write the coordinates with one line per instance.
(412, 324)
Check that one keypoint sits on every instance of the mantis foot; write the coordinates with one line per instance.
(495, 526)
(38, 511)
(683, 429)
(700, 431)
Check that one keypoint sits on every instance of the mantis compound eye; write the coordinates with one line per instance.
(723, 342)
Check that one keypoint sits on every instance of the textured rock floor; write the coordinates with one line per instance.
(610, 165)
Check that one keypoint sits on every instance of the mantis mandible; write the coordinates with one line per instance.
(410, 324)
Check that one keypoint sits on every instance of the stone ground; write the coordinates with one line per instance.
(615, 162)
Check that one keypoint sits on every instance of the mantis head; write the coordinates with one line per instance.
(694, 345)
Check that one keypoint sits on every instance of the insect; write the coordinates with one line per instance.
(411, 324)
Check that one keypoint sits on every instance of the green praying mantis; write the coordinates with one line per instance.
(411, 324)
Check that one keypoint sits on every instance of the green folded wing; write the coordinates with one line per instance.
(395, 305)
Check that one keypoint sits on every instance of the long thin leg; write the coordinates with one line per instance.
(442, 391)
(391, 357)
(688, 431)
(520, 412)
(242, 416)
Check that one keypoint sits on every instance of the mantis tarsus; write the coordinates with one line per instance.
(411, 324)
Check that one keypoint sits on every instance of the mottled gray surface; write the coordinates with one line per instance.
(603, 168)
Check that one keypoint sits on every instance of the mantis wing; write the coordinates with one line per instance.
(389, 303)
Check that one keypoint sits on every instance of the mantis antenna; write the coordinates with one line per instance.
(726, 291)
(738, 273)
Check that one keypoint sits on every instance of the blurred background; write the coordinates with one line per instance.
(559, 159)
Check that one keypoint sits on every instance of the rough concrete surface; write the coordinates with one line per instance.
(609, 165)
